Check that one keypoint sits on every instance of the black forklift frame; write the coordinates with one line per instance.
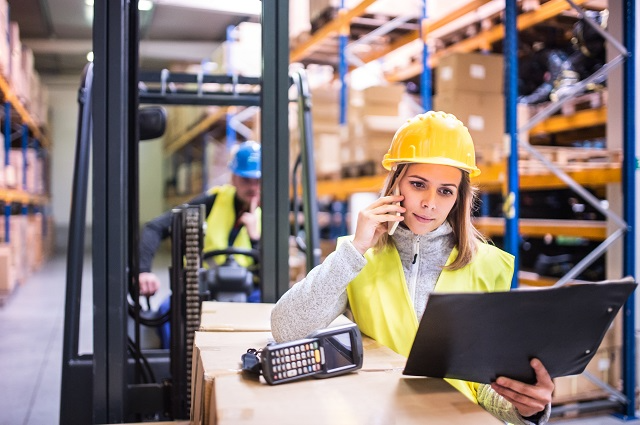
(96, 388)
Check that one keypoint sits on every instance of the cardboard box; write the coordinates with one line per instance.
(379, 393)
(605, 366)
(483, 115)
(219, 316)
(216, 354)
(4, 39)
(231, 329)
(360, 398)
(476, 72)
(243, 54)
(223, 395)
(7, 270)
(15, 60)
(391, 93)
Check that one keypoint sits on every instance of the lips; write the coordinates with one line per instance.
(422, 219)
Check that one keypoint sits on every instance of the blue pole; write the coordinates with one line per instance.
(230, 133)
(7, 215)
(7, 132)
(425, 77)
(630, 165)
(342, 65)
(25, 142)
(512, 202)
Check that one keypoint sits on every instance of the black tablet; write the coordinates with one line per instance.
(478, 337)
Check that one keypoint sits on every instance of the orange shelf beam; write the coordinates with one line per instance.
(581, 119)
(588, 229)
(10, 96)
(332, 27)
(431, 26)
(194, 131)
(526, 20)
(492, 179)
(22, 197)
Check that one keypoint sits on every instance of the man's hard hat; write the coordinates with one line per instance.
(247, 160)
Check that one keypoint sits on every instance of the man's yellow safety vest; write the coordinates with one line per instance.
(220, 222)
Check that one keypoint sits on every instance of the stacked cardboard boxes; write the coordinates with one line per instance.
(470, 86)
(4, 38)
(375, 114)
(356, 148)
(13, 253)
(242, 54)
(378, 393)
(327, 132)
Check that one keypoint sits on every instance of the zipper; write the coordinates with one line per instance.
(415, 264)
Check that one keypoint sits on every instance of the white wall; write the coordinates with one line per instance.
(151, 179)
(63, 119)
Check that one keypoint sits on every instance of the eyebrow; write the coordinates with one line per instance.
(427, 180)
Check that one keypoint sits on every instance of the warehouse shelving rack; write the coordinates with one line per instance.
(512, 183)
(19, 123)
(17, 116)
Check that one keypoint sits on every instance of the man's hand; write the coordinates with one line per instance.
(250, 220)
(528, 399)
(149, 283)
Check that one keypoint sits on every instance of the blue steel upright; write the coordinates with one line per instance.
(629, 170)
(342, 63)
(512, 201)
(425, 77)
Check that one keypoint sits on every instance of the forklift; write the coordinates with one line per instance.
(119, 381)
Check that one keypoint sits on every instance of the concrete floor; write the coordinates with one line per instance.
(31, 335)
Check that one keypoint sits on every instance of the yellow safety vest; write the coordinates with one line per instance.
(220, 222)
(382, 307)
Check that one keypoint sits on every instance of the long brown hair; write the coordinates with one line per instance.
(466, 235)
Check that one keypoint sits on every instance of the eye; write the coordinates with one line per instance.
(417, 184)
(446, 191)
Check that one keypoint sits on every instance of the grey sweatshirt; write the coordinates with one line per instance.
(314, 302)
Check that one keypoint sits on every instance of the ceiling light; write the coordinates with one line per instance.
(90, 57)
(244, 7)
(145, 5)
(142, 4)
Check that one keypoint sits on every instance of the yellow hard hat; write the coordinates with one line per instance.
(433, 138)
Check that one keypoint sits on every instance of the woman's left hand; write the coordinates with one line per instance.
(528, 399)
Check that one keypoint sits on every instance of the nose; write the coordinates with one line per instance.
(429, 199)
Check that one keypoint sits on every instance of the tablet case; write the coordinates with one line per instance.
(478, 337)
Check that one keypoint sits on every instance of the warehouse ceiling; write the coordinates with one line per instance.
(174, 31)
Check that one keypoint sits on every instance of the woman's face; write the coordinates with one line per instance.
(430, 192)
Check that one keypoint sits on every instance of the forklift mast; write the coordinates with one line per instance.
(118, 382)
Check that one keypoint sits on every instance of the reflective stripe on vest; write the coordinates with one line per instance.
(222, 218)
(382, 308)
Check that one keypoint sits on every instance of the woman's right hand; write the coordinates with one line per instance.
(374, 220)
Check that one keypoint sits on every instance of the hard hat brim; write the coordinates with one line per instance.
(249, 174)
(473, 171)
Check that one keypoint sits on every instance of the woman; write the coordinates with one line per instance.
(384, 274)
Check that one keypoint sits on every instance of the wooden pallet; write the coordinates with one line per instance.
(361, 169)
(335, 175)
(567, 155)
(591, 100)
